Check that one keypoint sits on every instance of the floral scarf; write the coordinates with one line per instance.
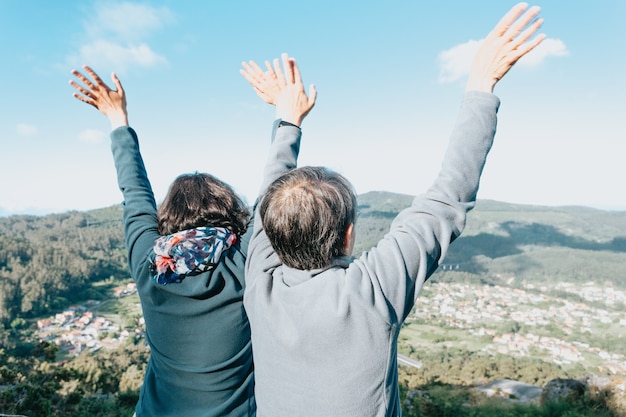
(188, 253)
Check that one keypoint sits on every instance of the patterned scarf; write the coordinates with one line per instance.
(188, 253)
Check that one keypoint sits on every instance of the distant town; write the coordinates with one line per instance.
(475, 309)
(78, 328)
(478, 310)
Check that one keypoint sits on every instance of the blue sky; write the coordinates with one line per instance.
(389, 75)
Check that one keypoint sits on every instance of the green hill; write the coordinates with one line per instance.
(503, 240)
(49, 262)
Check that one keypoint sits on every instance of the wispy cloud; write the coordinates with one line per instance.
(547, 48)
(24, 129)
(127, 22)
(92, 136)
(118, 56)
(454, 63)
(117, 36)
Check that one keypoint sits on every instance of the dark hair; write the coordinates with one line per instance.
(200, 200)
(306, 213)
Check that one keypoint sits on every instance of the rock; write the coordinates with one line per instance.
(615, 386)
(512, 390)
(562, 389)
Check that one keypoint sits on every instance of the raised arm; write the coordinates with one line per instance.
(421, 234)
(505, 44)
(140, 212)
(111, 103)
(285, 91)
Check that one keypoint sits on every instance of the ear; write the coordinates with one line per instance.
(348, 240)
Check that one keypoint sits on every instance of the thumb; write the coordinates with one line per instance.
(312, 95)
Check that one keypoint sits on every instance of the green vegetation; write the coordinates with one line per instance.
(48, 263)
(556, 263)
(440, 400)
(102, 384)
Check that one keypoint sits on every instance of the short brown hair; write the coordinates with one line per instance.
(306, 213)
(201, 200)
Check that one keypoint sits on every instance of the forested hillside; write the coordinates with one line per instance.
(502, 241)
(49, 262)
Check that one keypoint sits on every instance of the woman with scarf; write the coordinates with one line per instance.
(187, 258)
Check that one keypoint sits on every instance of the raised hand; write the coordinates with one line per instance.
(265, 85)
(283, 90)
(509, 40)
(111, 103)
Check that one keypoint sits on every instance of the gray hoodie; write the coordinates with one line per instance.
(325, 341)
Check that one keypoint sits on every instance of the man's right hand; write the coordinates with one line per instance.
(509, 40)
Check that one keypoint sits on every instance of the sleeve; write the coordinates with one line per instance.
(282, 157)
(139, 207)
(283, 153)
(420, 235)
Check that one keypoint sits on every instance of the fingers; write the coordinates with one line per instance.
(86, 96)
(526, 48)
(82, 98)
(79, 87)
(264, 83)
(517, 27)
(256, 67)
(519, 33)
(279, 73)
(82, 78)
(248, 78)
(85, 100)
(93, 87)
(510, 17)
(288, 64)
(280, 84)
(118, 84)
(528, 33)
(256, 70)
(312, 95)
(95, 76)
(297, 77)
(284, 71)
(252, 73)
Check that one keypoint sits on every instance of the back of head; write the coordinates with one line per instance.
(306, 213)
(201, 200)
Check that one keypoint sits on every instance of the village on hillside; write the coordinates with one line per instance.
(475, 309)
(79, 328)
(479, 309)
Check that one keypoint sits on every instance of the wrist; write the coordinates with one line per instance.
(480, 84)
(286, 123)
(290, 118)
(118, 120)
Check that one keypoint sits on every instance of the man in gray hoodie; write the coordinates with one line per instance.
(325, 325)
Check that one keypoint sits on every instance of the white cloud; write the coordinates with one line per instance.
(547, 48)
(102, 53)
(24, 129)
(127, 22)
(92, 136)
(454, 63)
(117, 36)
